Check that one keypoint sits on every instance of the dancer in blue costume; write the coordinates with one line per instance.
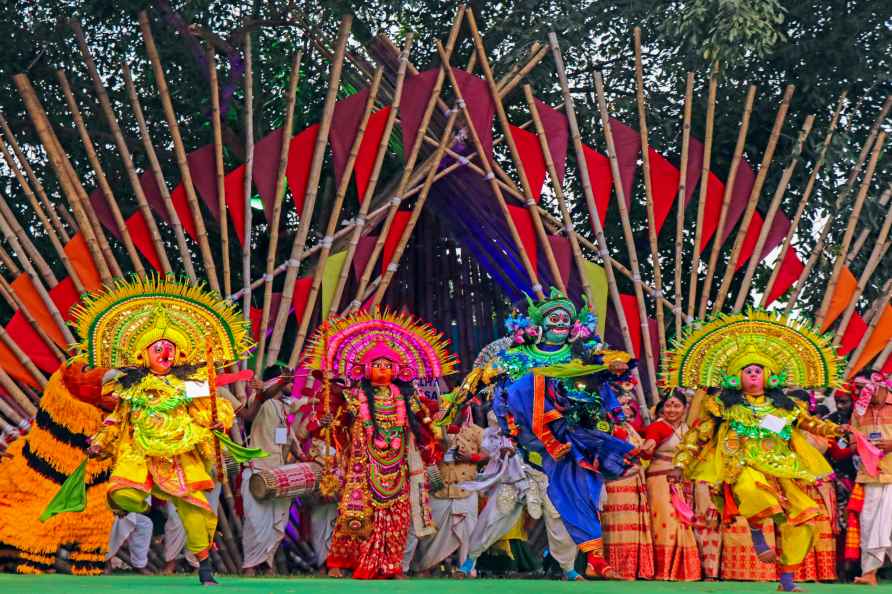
(550, 386)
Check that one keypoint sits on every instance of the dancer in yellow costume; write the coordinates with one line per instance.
(748, 441)
(159, 337)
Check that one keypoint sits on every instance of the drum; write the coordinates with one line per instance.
(289, 481)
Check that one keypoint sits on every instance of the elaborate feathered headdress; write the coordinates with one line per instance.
(117, 324)
(708, 352)
(346, 345)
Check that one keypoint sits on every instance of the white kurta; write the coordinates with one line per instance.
(136, 530)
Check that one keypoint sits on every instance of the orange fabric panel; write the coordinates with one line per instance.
(842, 296)
(29, 296)
(881, 336)
(82, 262)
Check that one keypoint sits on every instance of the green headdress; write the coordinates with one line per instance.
(537, 312)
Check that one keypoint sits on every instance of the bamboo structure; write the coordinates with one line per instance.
(880, 248)
(704, 185)
(772, 211)
(502, 116)
(646, 346)
(180, 150)
(40, 264)
(309, 203)
(217, 126)
(756, 191)
(865, 231)
(408, 169)
(554, 176)
(104, 186)
(276, 215)
(155, 166)
(648, 189)
(335, 214)
(248, 223)
(682, 197)
(850, 228)
(594, 218)
(882, 358)
(806, 195)
(719, 238)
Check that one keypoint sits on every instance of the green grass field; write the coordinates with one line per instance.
(66, 584)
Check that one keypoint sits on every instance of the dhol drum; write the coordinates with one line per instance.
(291, 480)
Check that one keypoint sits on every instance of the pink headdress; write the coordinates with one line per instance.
(867, 387)
(351, 343)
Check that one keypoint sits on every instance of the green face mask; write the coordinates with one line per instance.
(556, 326)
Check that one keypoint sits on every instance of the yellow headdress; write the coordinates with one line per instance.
(117, 325)
(722, 346)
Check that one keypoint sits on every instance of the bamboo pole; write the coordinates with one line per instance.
(882, 302)
(9, 412)
(30, 250)
(127, 160)
(595, 220)
(559, 194)
(102, 180)
(718, 239)
(10, 264)
(753, 199)
(19, 354)
(180, 150)
(882, 358)
(682, 195)
(386, 278)
(880, 247)
(529, 200)
(704, 186)
(300, 239)
(865, 231)
(771, 213)
(218, 163)
(491, 178)
(155, 167)
(850, 228)
(646, 347)
(35, 181)
(32, 321)
(335, 214)
(249, 174)
(17, 394)
(803, 201)
(648, 189)
(41, 214)
(274, 223)
(57, 160)
(408, 170)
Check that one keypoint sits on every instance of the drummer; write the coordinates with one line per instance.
(280, 424)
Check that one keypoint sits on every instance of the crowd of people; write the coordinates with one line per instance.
(756, 463)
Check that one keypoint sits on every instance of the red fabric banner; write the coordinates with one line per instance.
(653, 329)
(32, 344)
(234, 187)
(523, 220)
(630, 307)
(532, 158)
(82, 261)
(695, 168)
(779, 227)
(142, 239)
(417, 90)
(203, 169)
(881, 336)
(64, 295)
(103, 212)
(181, 206)
(664, 180)
(602, 180)
(740, 195)
(300, 157)
(29, 296)
(267, 151)
(563, 255)
(789, 273)
(556, 128)
(842, 296)
(301, 294)
(257, 313)
(481, 107)
(14, 368)
(363, 253)
(393, 237)
(855, 331)
(628, 147)
(153, 195)
(344, 128)
(368, 150)
(715, 189)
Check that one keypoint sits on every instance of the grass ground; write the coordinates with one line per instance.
(66, 584)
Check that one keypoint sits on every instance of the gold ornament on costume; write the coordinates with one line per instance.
(116, 325)
(723, 345)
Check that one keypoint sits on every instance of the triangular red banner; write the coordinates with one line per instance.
(533, 161)
(267, 153)
(181, 206)
(300, 158)
(475, 92)
(368, 150)
(627, 141)
(601, 179)
(556, 128)
(234, 186)
(301, 294)
(664, 180)
(344, 128)
(203, 169)
(142, 239)
(393, 237)
(363, 253)
(523, 220)
(789, 273)
(630, 307)
(854, 333)
(416, 92)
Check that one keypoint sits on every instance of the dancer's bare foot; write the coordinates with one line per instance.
(169, 568)
(780, 588)
(767, 556)
(868, 578)
(336, 573)
(249, 572)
